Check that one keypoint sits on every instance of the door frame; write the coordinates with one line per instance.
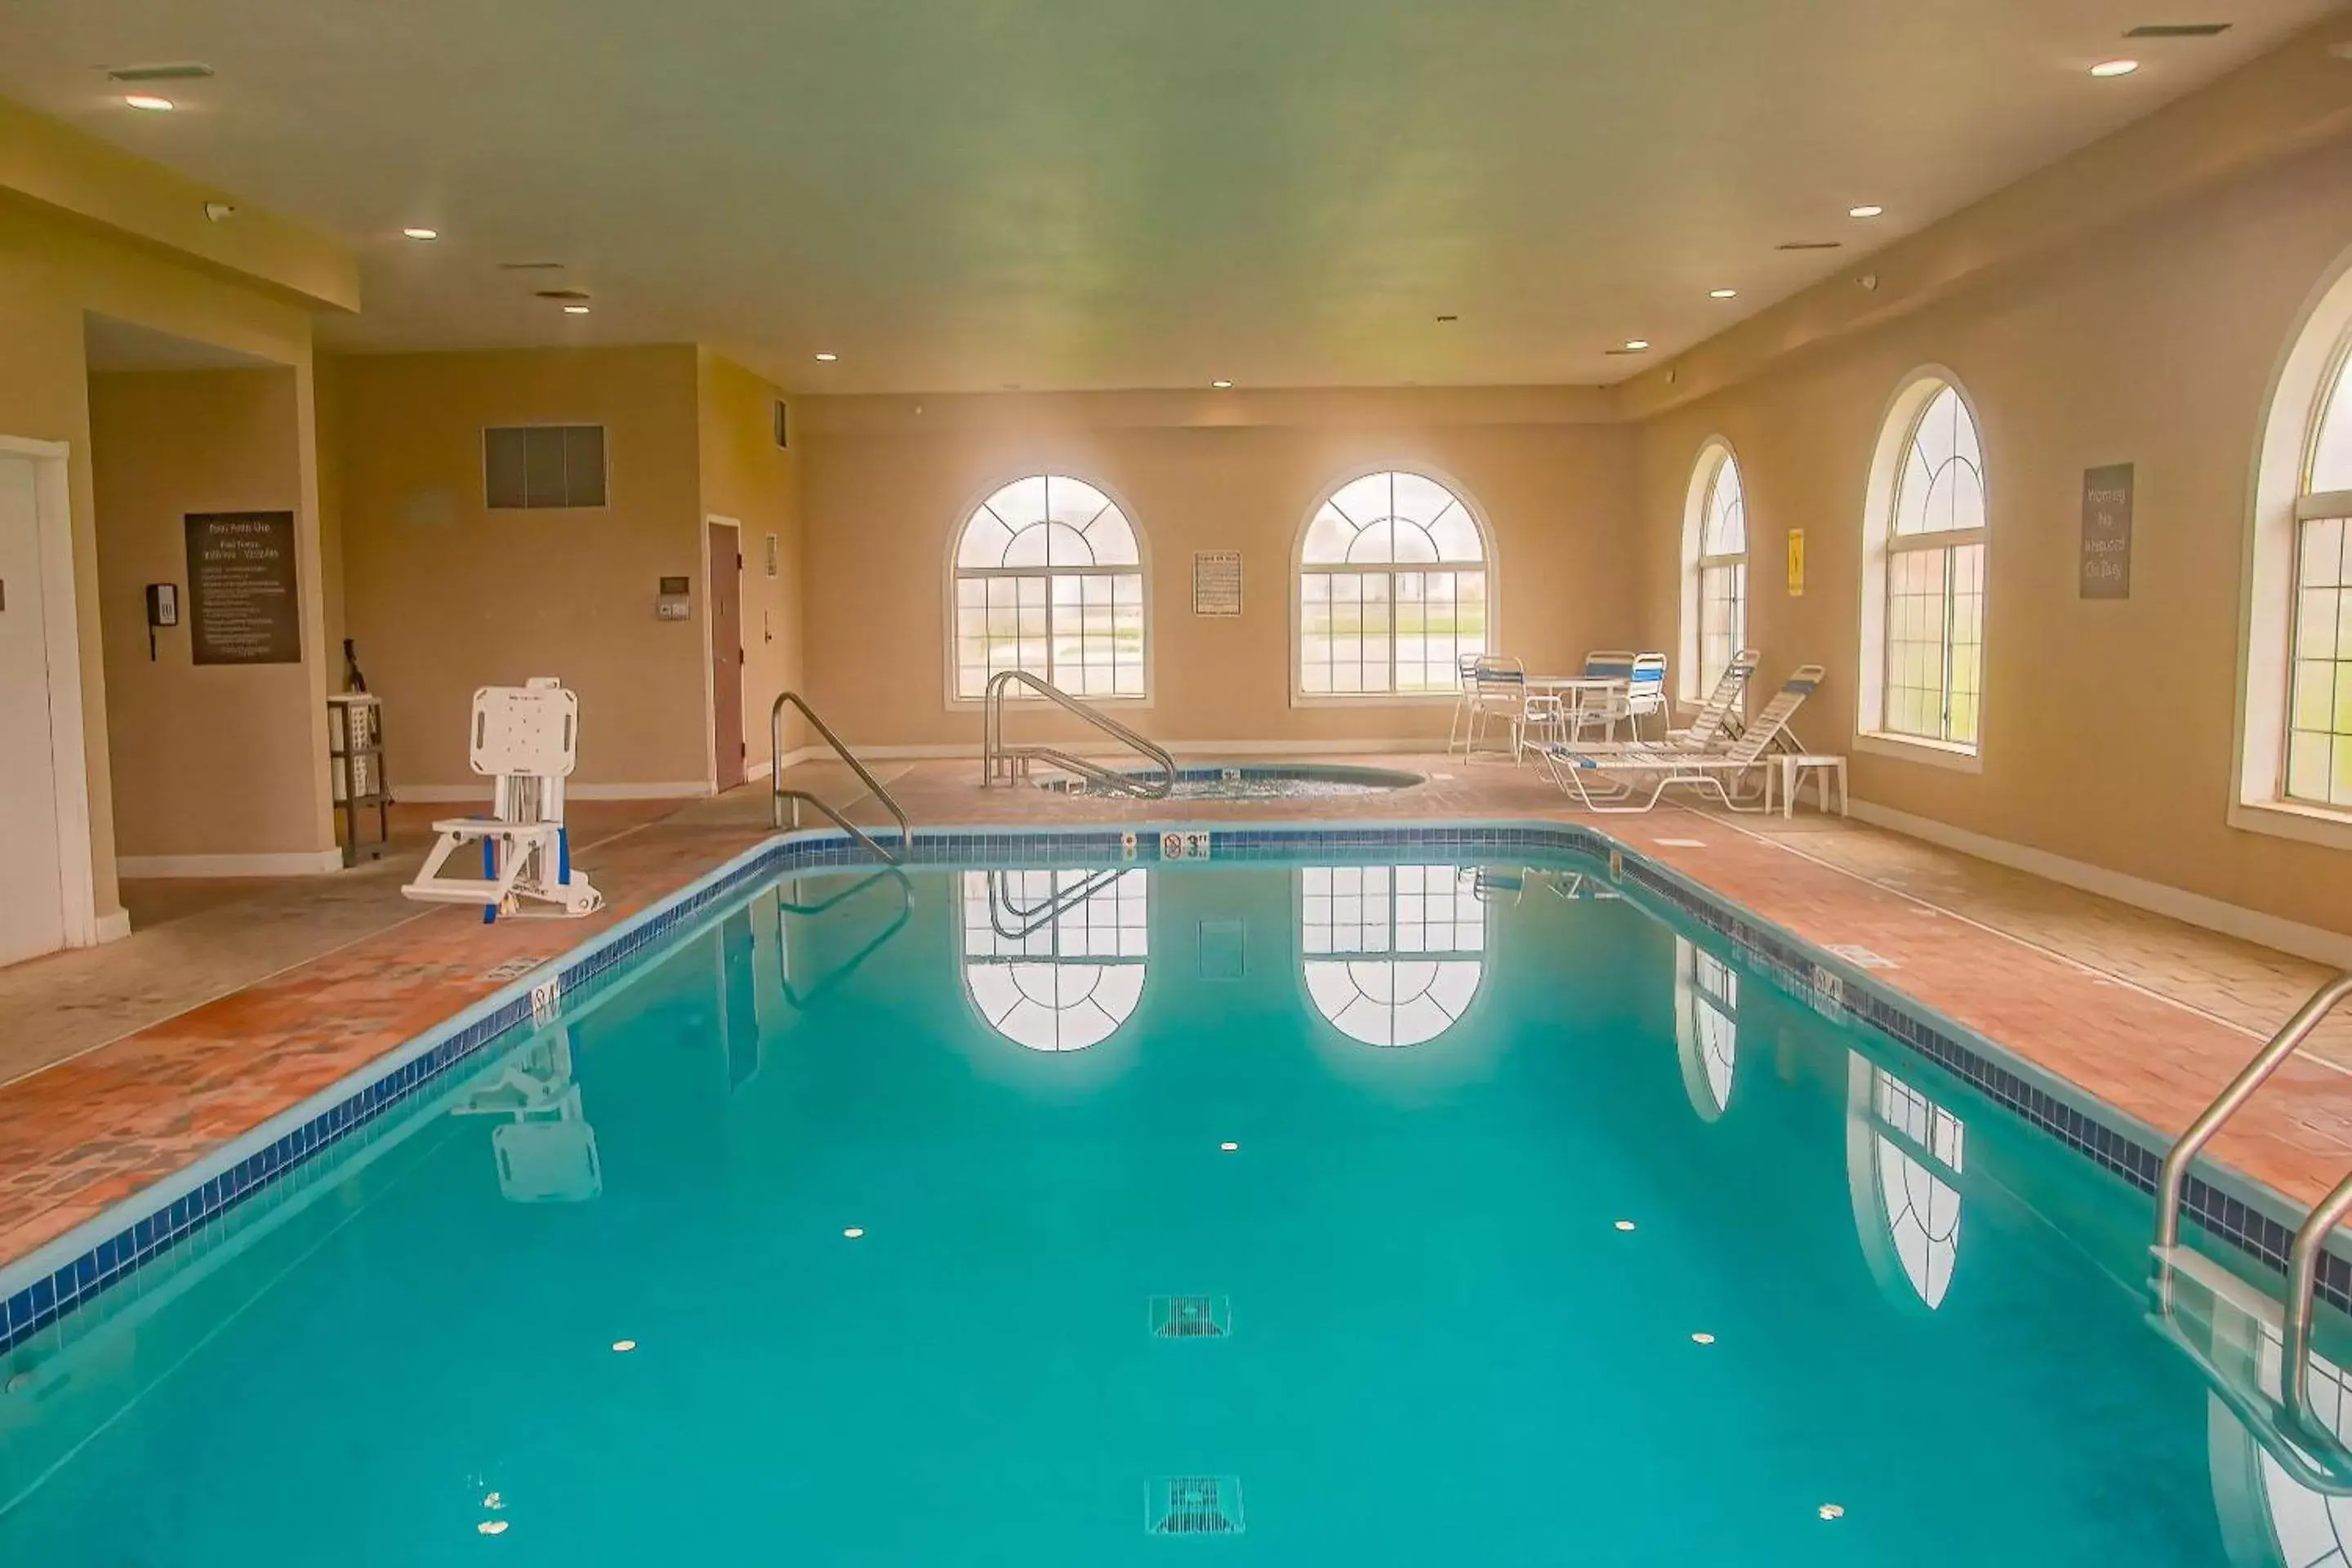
(61, 635)
(709, 620)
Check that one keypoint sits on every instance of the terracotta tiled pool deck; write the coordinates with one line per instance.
(2149, 1015)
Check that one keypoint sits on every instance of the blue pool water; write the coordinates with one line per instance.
(1526, 1227)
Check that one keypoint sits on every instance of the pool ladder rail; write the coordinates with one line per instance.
(1002, 762)
(778, 794)
(2295, 1313)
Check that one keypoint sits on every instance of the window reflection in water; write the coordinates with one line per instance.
(1904, 1156)
(1391, 954)
(1055, 960)
(1707, 1031)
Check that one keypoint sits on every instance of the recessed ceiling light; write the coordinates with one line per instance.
(575, 309)
(1636, 346)
(2115, 67)
(828, 359)
(1221, 383)
(148, 101)
(1722, 293)
(1867, 209)
(421, 233)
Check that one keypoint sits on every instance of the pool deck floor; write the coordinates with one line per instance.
(124, 1064)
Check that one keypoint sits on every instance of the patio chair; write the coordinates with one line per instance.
(1459, 730)
(1577, 770)
(1713, 728)
(528, 738)
(1644, 692)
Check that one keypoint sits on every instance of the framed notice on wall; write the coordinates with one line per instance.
(1216, 581)
(2107, 532)
(245, 604)
(1796, 564)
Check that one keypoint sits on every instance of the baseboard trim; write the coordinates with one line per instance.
(479, 791)
(2314, 943)
(290, 863)
(113, 927)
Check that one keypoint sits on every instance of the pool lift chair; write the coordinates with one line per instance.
(547, 1152)
(527, 738)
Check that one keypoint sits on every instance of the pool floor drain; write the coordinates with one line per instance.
(1191, 1317)
(1193, 1505)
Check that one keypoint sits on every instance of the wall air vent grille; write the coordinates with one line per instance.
(2177, 30)
(181, 70)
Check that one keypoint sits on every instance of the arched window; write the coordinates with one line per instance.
(1055, 960)
(2319, 704)
(1049, 578)
(1392, 954)
(1715, 570)
(1392, 589)
(1901, 1147)
(1924, 599)
(1706, 1027)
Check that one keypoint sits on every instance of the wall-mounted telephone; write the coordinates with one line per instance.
(162, 610)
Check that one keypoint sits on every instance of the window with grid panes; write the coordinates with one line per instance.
(2319, 764)
(1934, 566)
(1393, 590)
(1049, 578)
(1722, 572)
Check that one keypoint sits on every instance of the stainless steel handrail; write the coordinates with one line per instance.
(778, 794)
(1028, 922)
(2311, 1239)
(2175, 1174)
(1000, 763)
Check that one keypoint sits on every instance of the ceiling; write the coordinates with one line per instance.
(112, 345)
(969, 194)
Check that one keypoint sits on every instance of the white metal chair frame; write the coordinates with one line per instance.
(1666, 765)
(527, 738)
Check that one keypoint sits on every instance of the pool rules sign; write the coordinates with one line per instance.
(243, 603)
(2107, 532)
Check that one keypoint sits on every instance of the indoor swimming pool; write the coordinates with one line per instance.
(1378, 1206)
(1254, 781)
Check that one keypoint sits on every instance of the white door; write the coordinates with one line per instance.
(32, 896)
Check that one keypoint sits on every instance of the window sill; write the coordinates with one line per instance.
(1375, 700)
(2292, 819)
(1913, 749)
(1036, 703)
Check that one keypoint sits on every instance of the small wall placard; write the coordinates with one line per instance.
(245, 602)
(1216, 581)
(2107, 532)
(1796, 564)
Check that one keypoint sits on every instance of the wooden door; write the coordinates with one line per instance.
(726, 598)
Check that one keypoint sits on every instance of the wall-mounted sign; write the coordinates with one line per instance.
(1216, 581)
(1796, 564)
(245, 604)
(774, 559)
(2107, 532)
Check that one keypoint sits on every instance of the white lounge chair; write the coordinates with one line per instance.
(527, 738)
(1717, 720)
(1578, 769)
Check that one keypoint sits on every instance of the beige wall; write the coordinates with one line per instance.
(53, 269)
(2108, 727)
(888, 486)
(216, 759)
(443, 595)
(748, 477)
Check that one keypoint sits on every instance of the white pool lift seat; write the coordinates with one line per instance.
(527, 738)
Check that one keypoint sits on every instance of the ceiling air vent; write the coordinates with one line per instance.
(531, 266)
(2177, 30)
(1810, 245)
(562, 293)
(181, 70)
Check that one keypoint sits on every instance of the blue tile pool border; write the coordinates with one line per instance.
(71, 1272)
